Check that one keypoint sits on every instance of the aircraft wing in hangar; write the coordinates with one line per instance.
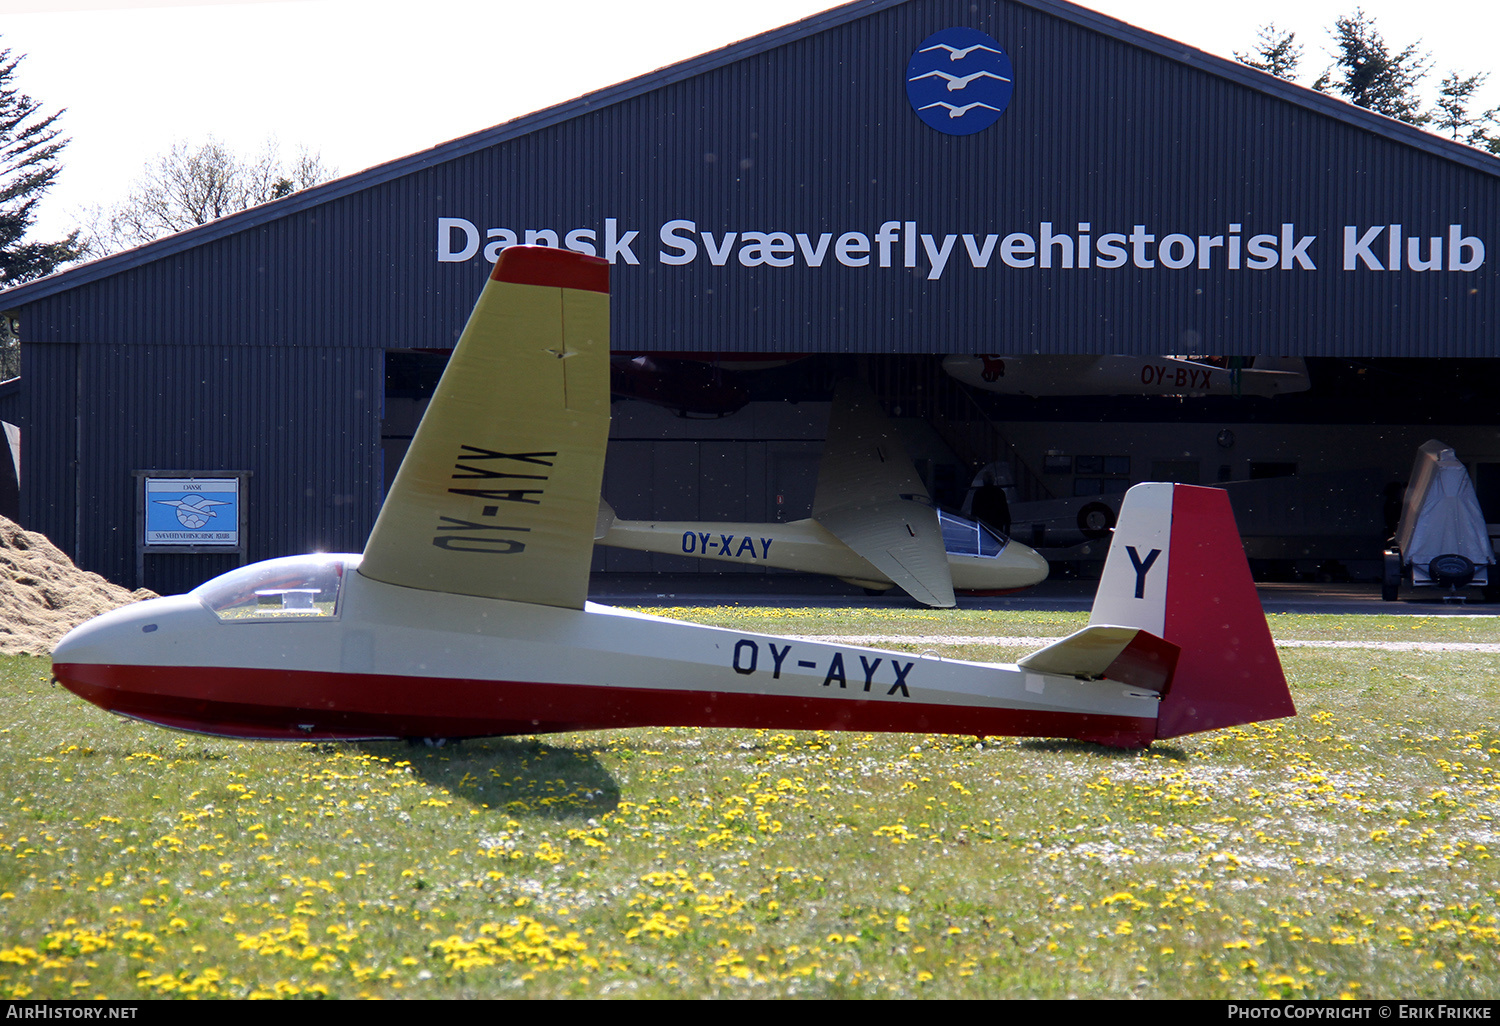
(870, 497)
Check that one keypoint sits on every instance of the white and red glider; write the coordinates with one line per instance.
(466, 616)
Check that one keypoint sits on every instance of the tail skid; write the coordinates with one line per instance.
(1177, 570)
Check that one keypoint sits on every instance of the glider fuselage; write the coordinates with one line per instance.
(1125, 375)
(384, 661)
(807, 546)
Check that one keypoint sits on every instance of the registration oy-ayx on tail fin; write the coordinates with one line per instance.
(498, 496)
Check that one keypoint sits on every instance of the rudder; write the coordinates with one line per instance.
(1176, 568)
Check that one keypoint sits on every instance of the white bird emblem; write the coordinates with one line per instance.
(955, 54)
(193, 512)
(958, 112)
(957, 82)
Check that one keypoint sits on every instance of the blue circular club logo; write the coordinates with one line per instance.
(959, 81)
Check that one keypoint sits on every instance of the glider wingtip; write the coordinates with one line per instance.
(546, 265)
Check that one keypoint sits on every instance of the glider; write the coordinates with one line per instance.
(873, 523)
(466, 614)
(1129, 375)
(689, 388)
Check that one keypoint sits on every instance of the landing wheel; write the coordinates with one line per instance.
(1095, 520)
(433, 742)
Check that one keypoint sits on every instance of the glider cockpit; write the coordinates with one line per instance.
(965, 537)
(292, 588)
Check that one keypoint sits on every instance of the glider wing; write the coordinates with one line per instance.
(499, 492)
(870, 497)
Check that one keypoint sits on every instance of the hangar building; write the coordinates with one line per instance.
(872, 187)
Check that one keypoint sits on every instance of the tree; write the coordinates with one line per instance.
(30, 144)
(1453, 117)
(192, 185)
(1366, 73)
(1277, 53)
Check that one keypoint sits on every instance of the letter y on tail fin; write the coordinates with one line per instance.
(1176, 568)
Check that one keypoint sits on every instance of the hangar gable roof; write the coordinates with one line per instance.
(559, 123)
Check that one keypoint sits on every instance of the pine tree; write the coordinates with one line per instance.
(30, 143)
(1276, 53)
(1453, 118)
(1366, 73)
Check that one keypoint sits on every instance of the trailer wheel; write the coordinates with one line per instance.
(1390, 581)
(1451, 569)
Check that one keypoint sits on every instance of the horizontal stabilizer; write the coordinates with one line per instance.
(1126, 654)
(605, 521)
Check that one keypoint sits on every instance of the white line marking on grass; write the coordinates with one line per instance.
(1018, 642)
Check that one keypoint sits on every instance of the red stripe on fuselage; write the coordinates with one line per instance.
(310, 705)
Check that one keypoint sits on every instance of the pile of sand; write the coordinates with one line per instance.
(43, 595)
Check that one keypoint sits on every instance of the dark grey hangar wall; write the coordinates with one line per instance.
(927, 176)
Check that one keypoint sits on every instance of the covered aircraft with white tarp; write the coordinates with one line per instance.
(1441, 539)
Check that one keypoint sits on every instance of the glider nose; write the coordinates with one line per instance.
(1028, 563)
(94, 659)
(113, 635)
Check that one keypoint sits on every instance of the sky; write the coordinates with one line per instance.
(360, 82)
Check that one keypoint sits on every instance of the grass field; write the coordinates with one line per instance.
(1344, 853)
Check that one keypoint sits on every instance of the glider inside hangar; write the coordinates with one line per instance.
(466, 615)
(1038, 375)
(873, 523)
